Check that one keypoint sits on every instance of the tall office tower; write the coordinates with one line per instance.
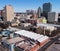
(52, 17)
(8, 13)
(47, 7)
(39, 12)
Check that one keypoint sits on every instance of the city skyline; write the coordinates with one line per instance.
(23, 5)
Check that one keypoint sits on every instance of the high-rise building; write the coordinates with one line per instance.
(47, 7)
(52, 17)
(39, 12)
(8, 13)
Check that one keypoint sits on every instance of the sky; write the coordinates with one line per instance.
(23, 5)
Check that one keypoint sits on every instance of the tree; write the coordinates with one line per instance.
(4, 25)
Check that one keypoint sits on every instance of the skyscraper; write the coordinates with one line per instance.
(39, 12)
(47, 7)
(9, 13)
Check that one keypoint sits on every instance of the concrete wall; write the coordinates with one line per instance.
(9, 13)
(52, 17)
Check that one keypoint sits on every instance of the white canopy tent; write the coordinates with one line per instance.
(32, 35)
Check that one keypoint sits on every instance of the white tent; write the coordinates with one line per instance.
(32, 35)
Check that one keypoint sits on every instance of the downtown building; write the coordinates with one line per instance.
(39, 12)
(47, 7)
(32, 13)
(8, 13)
(52, 17)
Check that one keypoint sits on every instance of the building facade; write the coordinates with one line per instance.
(9, 13)
(29, 12)
(59, 17)
(52, 17)
(39, 12)
(1, 14)
(47, 7)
